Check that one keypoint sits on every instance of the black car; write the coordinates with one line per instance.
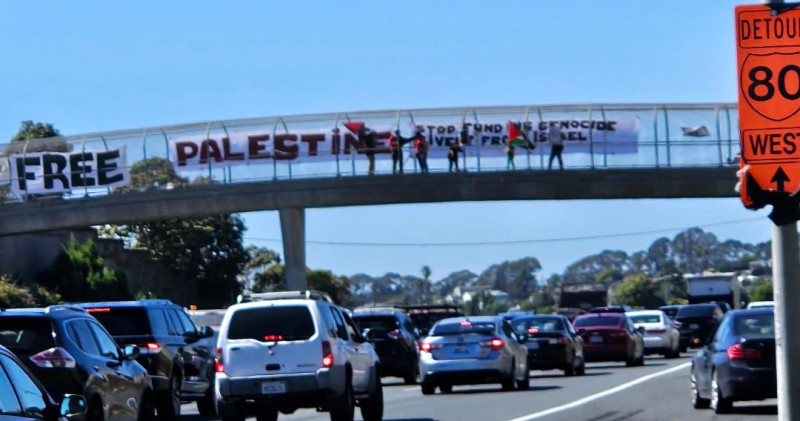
(22, 397)
(552, 344)
(178, 356)
(394, 337)
(425, 316)
(71, 353)
(671, 310)
(610, 309)
(695, 324)
(738, 364)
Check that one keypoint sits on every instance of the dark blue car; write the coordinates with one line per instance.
(738, 364)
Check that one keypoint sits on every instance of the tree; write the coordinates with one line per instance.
(274, 279)
(762, 291)
(80, 275)
(29, 132)
(207, 251)
(638, 291)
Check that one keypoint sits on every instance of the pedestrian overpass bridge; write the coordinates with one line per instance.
(289, 163)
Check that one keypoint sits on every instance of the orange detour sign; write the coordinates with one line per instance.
(768, 57)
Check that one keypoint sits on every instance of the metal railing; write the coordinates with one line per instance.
(669, 136)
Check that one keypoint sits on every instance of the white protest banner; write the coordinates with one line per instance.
(61, 172)
(254, 147)
(616, 136)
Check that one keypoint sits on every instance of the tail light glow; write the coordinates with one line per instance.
(273, 338)
(56, 357)
(428, 346)
(495, 343)
(150, 348)
(219, 367)
(327, 354)
(533, 330)
(618, 334)
(738, 352)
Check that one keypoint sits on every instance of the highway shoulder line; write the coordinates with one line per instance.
(596, 396)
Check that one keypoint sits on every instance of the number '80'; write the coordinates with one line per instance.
(762, 76)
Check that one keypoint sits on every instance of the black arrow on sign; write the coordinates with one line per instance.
(780, 178)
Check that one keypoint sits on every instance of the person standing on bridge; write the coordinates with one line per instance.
(452, 154)
(367, 137)
(510, 156)
(421, 146)
(556, 144)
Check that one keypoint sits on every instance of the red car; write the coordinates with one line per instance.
(610, 337)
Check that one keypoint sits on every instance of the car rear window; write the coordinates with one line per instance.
(26, 336)
(382, 323)
(754, 324)
(598, 321)
(646, 318)
(122, 321)
(539, 324)
(425, 321)
(287, 323)
(695, 311)
(458, 328)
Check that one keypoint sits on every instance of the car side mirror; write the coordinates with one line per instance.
(72, 406)
(130, 352)
(206, 332)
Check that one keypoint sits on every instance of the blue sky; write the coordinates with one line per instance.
(95, 66)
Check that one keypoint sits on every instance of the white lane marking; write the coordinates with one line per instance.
(601, 395)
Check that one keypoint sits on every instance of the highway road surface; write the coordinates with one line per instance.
(608, 392)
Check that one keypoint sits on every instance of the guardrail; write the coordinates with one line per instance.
(668, 136)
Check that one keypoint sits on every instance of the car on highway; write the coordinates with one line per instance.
(761, 304)
(394, 337)
(288, 350)
(696, 322)
(511, 315)
(738, 364)
(671, 310)
(660, 334)
(610, 309)
(473, 350)
(22, 396)
(178, 355)
(72, 354)
(552, 344)
(211, 318)
(610, 337)
(425, 316)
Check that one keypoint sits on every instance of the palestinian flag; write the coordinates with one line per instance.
(515, 136)
(354, 126)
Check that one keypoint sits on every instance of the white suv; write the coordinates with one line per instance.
(284, 351)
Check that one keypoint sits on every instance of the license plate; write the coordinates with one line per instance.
(596, 339)
(694, 326)
(272, 388)
(460, 350)
(533, 345)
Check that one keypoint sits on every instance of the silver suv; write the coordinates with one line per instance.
(473, 350)
(284, 351)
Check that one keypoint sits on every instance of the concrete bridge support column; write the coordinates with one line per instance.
(293, 230)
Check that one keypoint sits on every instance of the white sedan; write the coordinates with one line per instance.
(660, 334)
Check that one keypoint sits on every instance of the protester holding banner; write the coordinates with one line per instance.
(421, 146)
(556, 145)
(367, 137)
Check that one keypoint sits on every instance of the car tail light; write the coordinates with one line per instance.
(466, 323)
(394, 334)
(150, 348)
(428, 346)
(618, 334)
(273, 338)
(327, 354)
(54, 358)
(738, 352)
(98, 310)
(219, 367)
(495, 343)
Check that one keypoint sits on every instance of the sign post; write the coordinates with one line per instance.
(768, 57)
